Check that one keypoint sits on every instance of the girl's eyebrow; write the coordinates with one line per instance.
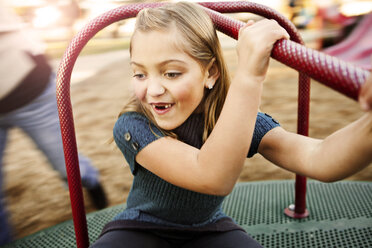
(160, 64)
(171, 61)
(136, 64)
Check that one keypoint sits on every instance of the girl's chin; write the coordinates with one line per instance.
(168, 125)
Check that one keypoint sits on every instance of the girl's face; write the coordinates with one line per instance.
(166, 80)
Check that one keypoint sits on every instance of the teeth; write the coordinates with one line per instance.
(166, 106)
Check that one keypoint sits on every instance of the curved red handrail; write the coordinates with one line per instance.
(330, 71)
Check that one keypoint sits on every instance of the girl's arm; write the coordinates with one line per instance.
(365, 95)
(215, 168)
(338, 156)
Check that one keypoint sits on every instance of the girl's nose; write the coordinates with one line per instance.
(155, 88)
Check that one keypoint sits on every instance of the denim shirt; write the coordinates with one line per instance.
(153, 199)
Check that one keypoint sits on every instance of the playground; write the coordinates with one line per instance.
(43, 201)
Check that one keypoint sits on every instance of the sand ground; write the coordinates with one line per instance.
(36, 196)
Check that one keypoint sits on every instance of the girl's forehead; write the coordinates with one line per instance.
(169, 35)
(158, 50)
(157, 43)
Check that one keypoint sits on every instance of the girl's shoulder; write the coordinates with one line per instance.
(132, 126)
(132, 132)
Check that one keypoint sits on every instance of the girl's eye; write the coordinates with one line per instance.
(172, 74)
(139, 76)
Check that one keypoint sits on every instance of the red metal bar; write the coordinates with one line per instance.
(66, 116)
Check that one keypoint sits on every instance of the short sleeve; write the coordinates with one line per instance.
(132, 132)
(264, 123)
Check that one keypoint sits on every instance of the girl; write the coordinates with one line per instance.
(187, 131)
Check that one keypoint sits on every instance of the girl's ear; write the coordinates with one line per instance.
(212, 74)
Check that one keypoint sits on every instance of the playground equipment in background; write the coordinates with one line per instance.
(337, 74)
(357, 47)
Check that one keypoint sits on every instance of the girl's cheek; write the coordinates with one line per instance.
(182, 94)
(140, 91)
(188, 92)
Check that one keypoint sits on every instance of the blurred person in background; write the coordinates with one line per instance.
(28, 101)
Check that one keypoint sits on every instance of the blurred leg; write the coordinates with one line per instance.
(5, 233)
(40, 121)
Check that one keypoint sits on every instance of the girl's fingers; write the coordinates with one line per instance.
(365, 95)
(249, 23)
(285, 34)
(279, 30)
(255, 43)
(270, 26)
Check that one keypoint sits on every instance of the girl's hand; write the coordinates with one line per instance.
(254, 47)
(365, 95)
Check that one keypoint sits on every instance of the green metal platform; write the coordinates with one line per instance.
(340, 216)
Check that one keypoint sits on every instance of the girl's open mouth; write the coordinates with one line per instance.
(161, 108)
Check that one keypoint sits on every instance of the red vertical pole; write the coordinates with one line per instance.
(300, 197)
(298, 210)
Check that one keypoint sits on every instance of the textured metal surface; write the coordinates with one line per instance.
(340, 76)
(341, 217)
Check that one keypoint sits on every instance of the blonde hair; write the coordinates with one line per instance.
(199, 40)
